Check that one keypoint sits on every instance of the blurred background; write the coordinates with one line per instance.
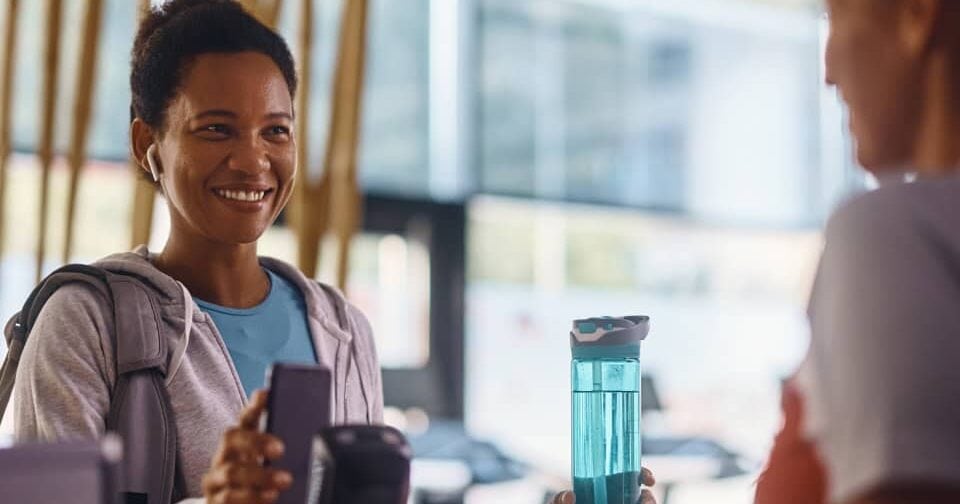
(524, 163)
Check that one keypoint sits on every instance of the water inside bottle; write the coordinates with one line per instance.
(606, 431)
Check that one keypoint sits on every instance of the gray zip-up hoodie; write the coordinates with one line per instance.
(68, 370)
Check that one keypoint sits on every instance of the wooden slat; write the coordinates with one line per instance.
(144, 192)
(144, 196)
(266, 11)
(338, 206)
(307, 249)
(51, 67)
(6, 107)
(270, 12)
(81, 113)
(343, 156)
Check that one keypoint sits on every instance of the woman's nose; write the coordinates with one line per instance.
(249, 156)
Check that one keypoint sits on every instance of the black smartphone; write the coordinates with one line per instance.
(368, 464)
(299, 405)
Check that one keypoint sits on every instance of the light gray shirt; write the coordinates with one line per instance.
(881, 382)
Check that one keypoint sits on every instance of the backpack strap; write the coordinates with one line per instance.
(140, 409)
(137, 318)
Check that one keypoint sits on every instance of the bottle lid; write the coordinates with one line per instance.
(615, 335)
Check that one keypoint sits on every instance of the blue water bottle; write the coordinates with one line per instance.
(605, 376)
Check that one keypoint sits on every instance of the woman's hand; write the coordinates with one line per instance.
(237, 474)
(646, 496)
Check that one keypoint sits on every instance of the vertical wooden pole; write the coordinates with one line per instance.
(270, 13)
(335, 203)
(266, 11)
(297, 210)
(144, 192)
(51, 68)
(341, 159)
(6, 110)
(82, 112)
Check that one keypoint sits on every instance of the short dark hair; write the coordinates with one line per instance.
(171, 36)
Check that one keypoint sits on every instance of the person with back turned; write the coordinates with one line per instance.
(873, 414)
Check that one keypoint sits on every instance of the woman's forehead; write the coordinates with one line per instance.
(237, 82)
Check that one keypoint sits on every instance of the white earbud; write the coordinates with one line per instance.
(152, 163)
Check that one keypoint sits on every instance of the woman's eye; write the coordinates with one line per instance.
(215, 128)
(278, 131)
(214, 131)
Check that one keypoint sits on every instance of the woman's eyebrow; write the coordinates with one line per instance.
(232, 115)
(214, 113)
(279, 115)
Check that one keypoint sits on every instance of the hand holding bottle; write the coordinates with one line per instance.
(646, 496)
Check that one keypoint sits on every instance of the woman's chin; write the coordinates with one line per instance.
(240, 236)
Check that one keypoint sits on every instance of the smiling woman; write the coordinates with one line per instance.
(212, 126)
(225, 158)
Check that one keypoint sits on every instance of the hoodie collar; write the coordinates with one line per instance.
(139, 263)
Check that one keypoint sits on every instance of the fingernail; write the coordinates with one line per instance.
(567, 498)
(646, 477)
(646, 497)
(283, 478)
(275, 448)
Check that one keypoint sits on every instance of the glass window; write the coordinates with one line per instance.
(393, 154)
(507, 145)
(111, 102)
(620, 103)
(394, 136)
(390, 283)
(394, 158)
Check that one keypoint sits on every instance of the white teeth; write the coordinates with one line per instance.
(242, 195)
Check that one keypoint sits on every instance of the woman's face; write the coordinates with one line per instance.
(227, 153)
(875, 63)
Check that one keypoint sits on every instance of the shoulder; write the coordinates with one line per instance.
(864, 215)
(71, 334)
(77, 316)
(77, 302)
(888, 246)
(922, 210)
(909, 227)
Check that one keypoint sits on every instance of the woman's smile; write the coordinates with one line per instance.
(246, 199)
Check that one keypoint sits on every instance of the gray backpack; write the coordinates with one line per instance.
(140, 410)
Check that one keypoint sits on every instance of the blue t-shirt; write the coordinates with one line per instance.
(273, 331)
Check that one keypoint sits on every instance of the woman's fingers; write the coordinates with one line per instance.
(269, 496)
(249, 476)
(646, 497)
(238, 475)
(241, 484)
(646, 477)
(250, 416)
(247, 446)
(238, 496)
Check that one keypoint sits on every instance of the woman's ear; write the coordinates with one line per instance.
(141, 138)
